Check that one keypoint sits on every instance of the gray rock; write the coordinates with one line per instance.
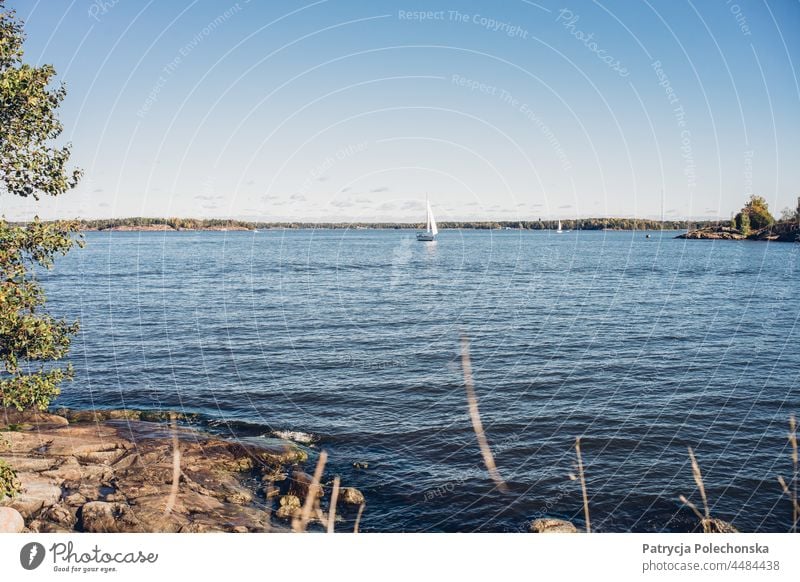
(104, 517)
(351, 496)
(300, 483)
(36, 493)
(50, 527)
(11, 417)
(552, 525)
(29, 464)
(60, 515)
(75, 499)
(71, 473)
(99, 415)
(11, 520)
(289, 506)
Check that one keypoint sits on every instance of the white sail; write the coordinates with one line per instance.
(428, 217)
(431, 230)
(559, 226)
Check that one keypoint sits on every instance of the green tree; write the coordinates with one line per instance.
(757, 210)
(31, 340)
(743, 222)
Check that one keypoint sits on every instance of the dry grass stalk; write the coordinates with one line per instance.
(790, 489)
(698, 478)
(583, 485)
(709, 524)
(691, 506)
(176, 468)
(300, 524)
(793, 442)
(474, 413)
(334, 499)
(358, 517)
(795, 504)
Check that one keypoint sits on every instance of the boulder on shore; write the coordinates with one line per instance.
(552, 525)
(11, 520)
(714, 525)
(27, 419)
(35, 494)
(300, 483)
(351, 496)
(289, 507)
(104, 517)
(713, 234)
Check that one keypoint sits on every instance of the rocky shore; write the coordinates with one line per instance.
(128, 471)
(713, 234)
(780, 232)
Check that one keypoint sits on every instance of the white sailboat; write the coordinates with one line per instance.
(431, 230)
(559, 227)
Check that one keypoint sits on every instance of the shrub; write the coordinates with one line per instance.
(758, 213)
(9, 484)
(743, 223)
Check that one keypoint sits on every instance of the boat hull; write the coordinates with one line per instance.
(424, 237)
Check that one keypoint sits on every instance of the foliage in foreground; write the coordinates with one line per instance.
(30, 338)
(9, 485)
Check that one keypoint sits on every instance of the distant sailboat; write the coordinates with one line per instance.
(431, 229)
(559, 227)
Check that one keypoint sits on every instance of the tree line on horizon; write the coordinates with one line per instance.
(220, 223)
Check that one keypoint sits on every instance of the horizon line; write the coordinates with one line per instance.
(344, 221)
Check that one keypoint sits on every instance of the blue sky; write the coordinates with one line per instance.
(353, 111)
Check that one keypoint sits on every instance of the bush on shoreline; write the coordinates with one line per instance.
(9, 485)
(754, 215)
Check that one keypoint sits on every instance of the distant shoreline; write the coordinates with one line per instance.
(408, 228)
(779, 232)
(139, 224)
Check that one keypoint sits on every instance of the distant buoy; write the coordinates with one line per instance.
(647, 236)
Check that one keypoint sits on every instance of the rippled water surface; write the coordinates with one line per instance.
(641, 346)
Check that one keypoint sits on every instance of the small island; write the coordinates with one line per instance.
(753, 222)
